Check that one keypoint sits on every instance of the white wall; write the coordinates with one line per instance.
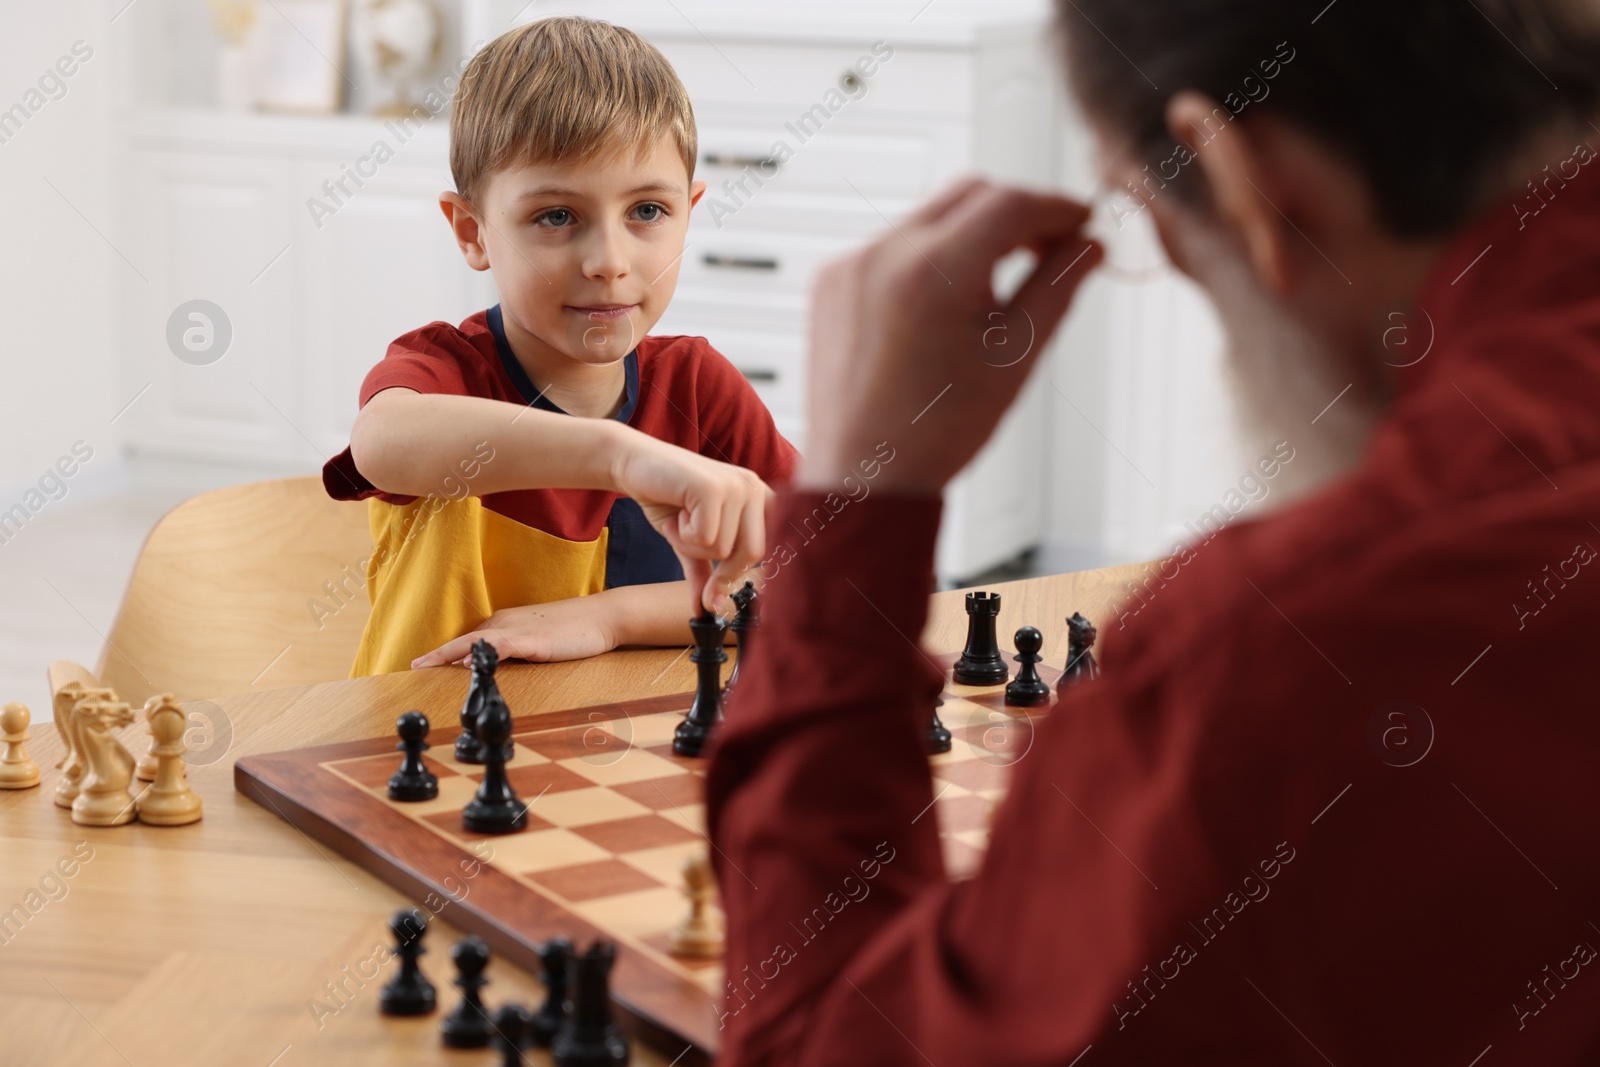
(1138, 432)
(57, 380)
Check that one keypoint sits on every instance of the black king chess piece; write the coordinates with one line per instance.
(546, 1022)
(981, 662)
(413, 781)
(1081, 666)
(588, 1037)
(745, 621)
(1027, 689)
(468, 1025)
(409, 992)
(495, 809)
(469, 746)
(689, 739)
(938, 735)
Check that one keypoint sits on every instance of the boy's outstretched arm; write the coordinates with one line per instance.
(654, 614)
(415, 444)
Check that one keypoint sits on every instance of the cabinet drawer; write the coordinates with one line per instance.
(755, 261)
(758, 158)
(797, 77)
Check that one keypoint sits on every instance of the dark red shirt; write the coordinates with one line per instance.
(1333, 800)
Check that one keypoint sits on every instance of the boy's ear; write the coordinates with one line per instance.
(697, 189)
(464, 224)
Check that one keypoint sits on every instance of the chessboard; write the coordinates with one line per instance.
(612, 815)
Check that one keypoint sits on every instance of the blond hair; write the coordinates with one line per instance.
(564, 90)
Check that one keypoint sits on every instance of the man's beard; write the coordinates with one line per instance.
(1285, 378)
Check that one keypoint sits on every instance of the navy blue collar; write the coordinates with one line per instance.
(535, 397)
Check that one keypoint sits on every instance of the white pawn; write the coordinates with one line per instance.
(699, 935)
(17, 769)
(169, 801)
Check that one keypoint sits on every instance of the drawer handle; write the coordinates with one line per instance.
(713, 259)
(728, 159)
(764, 376)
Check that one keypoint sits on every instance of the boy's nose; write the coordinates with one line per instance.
(605, 255)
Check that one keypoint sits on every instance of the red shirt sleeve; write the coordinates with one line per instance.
(847, 944)
(435, 359)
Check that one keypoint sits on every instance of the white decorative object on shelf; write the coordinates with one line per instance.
(296, 50)
(396, 45)
(232, 20)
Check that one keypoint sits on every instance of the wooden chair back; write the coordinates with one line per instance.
(252, 587)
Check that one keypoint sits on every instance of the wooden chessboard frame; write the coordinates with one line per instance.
(661, 1008)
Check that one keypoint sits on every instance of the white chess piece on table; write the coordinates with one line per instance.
(169, 801)
(72, 764)
(17, 769)
(145, 769)
(103, 799)
(699, 935)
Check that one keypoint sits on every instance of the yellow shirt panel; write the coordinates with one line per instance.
(440, 567)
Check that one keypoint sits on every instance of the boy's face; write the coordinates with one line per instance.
(585, 256)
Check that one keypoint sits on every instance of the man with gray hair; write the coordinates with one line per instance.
(1333, 798)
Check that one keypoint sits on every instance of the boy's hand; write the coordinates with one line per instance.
(910, 346)
(705, 509)
(562, 629)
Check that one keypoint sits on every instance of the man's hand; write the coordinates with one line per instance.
(910, 346)
(705, 509)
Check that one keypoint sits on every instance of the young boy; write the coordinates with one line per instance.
(534, 474)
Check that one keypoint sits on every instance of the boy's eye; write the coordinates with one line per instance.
(652, 212)
(556, 218)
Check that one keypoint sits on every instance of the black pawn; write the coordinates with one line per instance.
(468, 1026)
(495, 809)
(1081, 666)
(745, 621)
(546, 1022)
(589, 1038)
(483, 688)
(938, 735)
(1028, 690)
(689, 739)
(981, 662)
(413, 781)
(409, 992)
(511, 1024)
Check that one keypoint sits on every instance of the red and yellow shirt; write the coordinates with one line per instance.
(443, 564)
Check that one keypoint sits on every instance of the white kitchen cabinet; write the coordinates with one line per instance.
(874, 111)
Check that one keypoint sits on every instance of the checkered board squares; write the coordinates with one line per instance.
(612, 815)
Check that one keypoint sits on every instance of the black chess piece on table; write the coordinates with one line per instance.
(485, 660)
(1027, 689)
(938, 735)
(413, 781)
(588, 1037)
(495, 809)
(468, 1026)
(981, 662)
(689, 739)
(1081, 666)
(745, 621)
(546, 1022)
(511, 1033)
(409, 992)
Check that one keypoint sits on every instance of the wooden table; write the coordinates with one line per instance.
(208, 944)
